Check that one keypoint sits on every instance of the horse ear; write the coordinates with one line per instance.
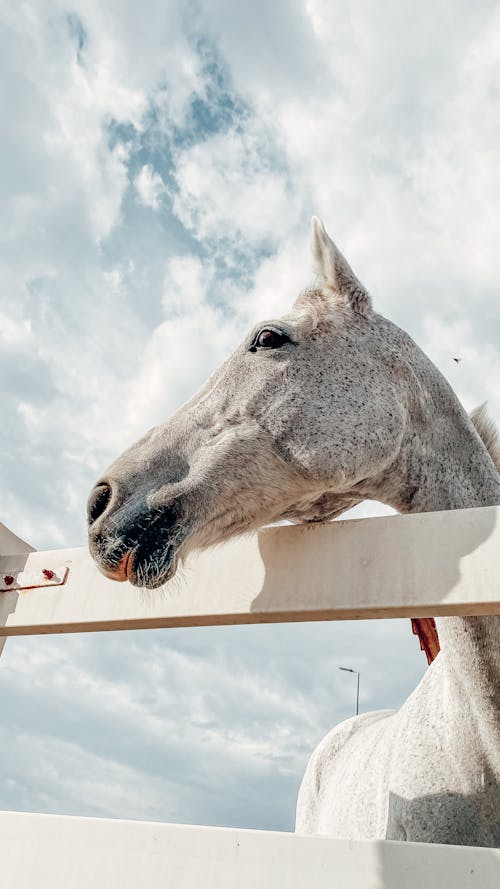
(334, 272)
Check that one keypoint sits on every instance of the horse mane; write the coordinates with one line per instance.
(488, 432)
(425, 627)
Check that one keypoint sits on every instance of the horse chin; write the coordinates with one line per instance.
(154, 558)
(151, 570)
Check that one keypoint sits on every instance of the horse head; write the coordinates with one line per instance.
(300, 423)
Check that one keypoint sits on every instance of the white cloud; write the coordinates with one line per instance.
(229, 188)
(57, 141)
(185, 286)
(457, 174)
(149, 186)
(194, 343)
(13, 331)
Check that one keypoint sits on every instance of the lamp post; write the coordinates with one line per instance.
(350, 670)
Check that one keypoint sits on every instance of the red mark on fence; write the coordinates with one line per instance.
(47, 573)
(8, 579)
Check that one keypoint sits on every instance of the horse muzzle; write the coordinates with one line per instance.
(130, 541)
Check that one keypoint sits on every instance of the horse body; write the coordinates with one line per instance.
(424, 773)
(315, 412)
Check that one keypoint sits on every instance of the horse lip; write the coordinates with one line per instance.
(119, 572)
(126, 570)
(127, 562)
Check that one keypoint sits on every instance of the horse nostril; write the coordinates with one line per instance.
(98, 501)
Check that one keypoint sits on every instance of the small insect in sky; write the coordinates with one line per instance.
(458, 360)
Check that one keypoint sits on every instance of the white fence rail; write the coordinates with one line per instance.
(433, 564)
(79, 853)
(440, 563)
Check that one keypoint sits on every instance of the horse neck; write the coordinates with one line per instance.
(445, 465)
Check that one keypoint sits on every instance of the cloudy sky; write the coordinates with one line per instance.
(160, 163)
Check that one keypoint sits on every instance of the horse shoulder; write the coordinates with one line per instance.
(321, 767)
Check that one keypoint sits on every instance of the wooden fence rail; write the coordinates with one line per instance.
(440, 563)
(55, 852)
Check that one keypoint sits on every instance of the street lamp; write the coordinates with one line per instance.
(350, 670)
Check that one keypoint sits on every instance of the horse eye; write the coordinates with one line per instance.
(269, 339)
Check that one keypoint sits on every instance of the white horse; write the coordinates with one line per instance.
(314, 412)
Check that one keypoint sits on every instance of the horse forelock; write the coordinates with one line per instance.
(315, 306)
